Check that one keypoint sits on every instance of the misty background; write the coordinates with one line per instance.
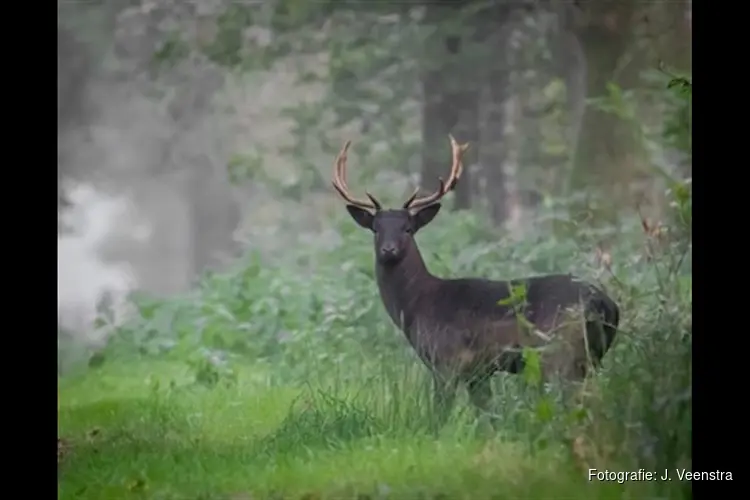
(191, 132)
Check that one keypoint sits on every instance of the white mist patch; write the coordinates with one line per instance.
(84, 279)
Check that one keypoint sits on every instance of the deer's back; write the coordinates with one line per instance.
(459, 301)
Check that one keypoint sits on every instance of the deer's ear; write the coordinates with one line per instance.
(425, 216)
(361, 216)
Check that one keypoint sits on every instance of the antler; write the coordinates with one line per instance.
(445, 186)
(339, 182)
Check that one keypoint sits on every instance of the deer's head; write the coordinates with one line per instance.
(394, 229)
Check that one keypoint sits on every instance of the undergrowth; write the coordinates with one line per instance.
(284, 378)
(311, 335)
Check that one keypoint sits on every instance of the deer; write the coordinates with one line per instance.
(467, 329)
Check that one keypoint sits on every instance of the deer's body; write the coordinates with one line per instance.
(466, 329)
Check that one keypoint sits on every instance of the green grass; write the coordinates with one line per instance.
(145, 430)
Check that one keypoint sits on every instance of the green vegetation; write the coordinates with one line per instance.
(288, 380)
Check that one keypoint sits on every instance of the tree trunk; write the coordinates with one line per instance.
(73, 71)
(573, 70)
(492, 154)
(605, 142)
(214, 217)
(450, 102)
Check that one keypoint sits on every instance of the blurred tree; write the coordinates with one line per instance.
(605, 141)
(450, 100)
(142, 50)
(447, 70)
(496, 80)
(73, 70)
(452, 58)
(213, 224)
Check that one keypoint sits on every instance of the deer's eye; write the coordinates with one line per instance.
(408, 230)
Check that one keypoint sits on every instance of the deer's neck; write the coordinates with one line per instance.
(401, 285)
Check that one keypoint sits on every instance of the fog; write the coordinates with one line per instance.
(143, 159)
(149, 132)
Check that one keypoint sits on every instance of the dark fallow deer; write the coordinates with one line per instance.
(466, 329)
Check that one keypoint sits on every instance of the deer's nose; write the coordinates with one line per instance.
(388, 249)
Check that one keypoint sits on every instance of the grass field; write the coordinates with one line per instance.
(142, 430)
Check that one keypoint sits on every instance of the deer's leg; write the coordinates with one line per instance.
(573, 385)
(445, 395)
(480, 395)
(565, 372)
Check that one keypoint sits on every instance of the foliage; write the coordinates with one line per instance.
(370, 60)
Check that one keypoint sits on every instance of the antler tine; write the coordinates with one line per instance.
(339, 182)
(411, 198)
(445, 186)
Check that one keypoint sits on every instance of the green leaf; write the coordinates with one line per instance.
(544, 410)
(517, 295)
(532, 370)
